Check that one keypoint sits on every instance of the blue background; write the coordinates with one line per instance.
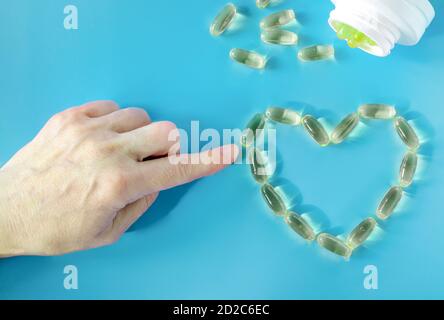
(215, 238)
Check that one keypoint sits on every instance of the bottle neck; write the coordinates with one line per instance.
(382, 31)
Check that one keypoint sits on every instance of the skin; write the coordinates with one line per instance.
(82, 182)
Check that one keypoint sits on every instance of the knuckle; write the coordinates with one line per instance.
(167, 131)
(58, 118)
(138, 112)
(111, 103)
(66, 118)
(183, 171)
(108, 148)
(166, 176)
(178, 172)
(107, 103)
(118, 183)
(169, 126)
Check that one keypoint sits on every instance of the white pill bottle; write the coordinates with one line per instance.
(386, 22)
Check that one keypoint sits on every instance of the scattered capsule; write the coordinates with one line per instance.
(318, 52)
(278, 19)
(223, 20)
(316, 130)
(280, 37)
(254, 127)
(259, 166)
(408, 168)
(248, 58)
(389, 202)
(361, 233)
(377, 111)
(406, 133)
(300, 226)
(262, 4)
(334, 244)
(344, 128)
(283, 115)
(273, 199)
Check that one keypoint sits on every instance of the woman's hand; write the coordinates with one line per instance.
(82, 182)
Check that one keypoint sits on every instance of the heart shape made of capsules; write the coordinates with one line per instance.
(275, 200)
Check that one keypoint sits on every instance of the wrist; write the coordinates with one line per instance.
(8, 245)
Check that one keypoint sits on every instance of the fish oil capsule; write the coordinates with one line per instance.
(408, 168)
(262, 4)
(377, 111)
(278, 19)
(249, 58)
(334, 244)
(300, 226)
(318, 52)
(273, 199)
(223, 20)
(283, 115)
(389, 202)
(259, 165)
(316, 130)
(361, 233)
(254, 126)
(344, 128)
(353, 37)
(280, 37)
(406, 133)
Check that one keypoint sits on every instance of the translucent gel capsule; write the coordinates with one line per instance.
(262, 4)
(353, 37)
(377, 111)
(300, 226)
(318, 52)
(248, 58)
(223, 20)
(259, 165)
(256, 124)
(408, 168)
(278, 19)
(406, 133)
(316, 130)
(389, 202)
(280, 37)
(344, 128)
(273, 199)
(361, 233)
(335, 245)
(283, 115)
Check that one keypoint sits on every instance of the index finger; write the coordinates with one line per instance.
(161, 174)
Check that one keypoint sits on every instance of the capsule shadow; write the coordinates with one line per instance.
(306, 108)
(301, 18)
(315, 216)
(421, 123)
(279, 165)
(238, 24)
(275, 3)
(340, 53)
(292, 193)
(272, 64)
(337, 231)
(244, 11)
